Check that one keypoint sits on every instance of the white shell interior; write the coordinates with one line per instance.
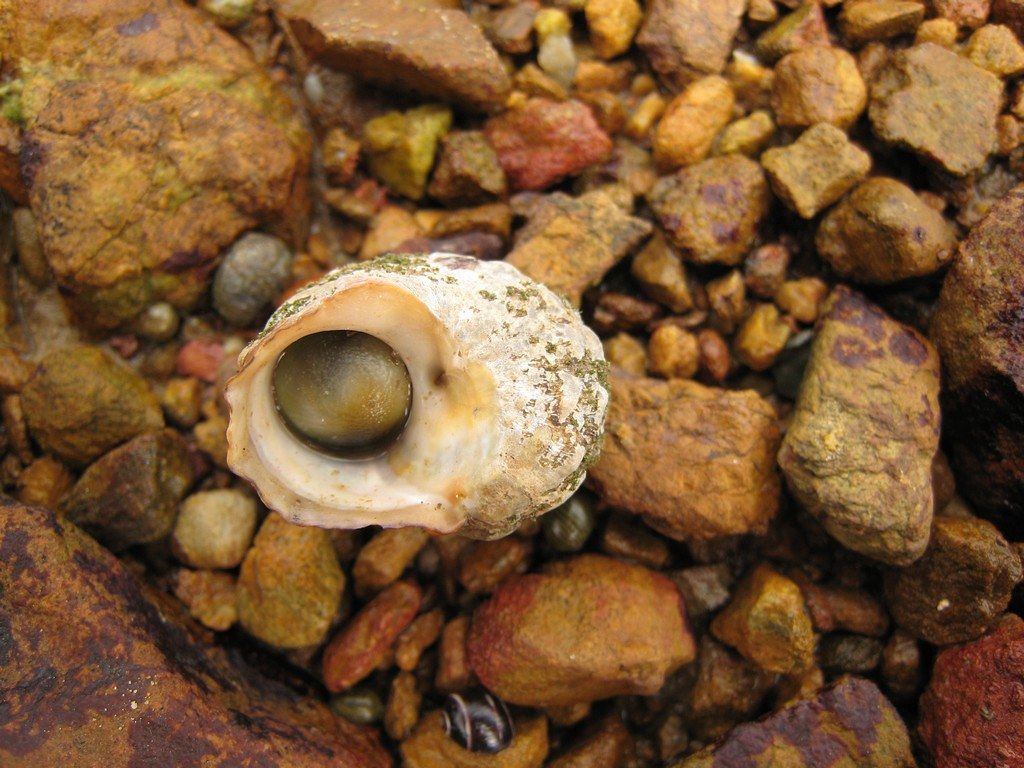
(449, 439)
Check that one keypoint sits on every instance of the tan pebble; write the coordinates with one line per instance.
(626, 352)
(802, 298)
(674, 353)
(761, 338)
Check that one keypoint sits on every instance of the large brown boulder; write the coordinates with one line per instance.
(697, 462)
(412, 46)
(858, 452)
(977, 328)
(92, 672)
(152, 140)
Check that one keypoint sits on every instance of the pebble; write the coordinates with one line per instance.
(959, 587)
(290, 585)
(901, 667)
(130, 495)
(402, 710)
(543, 141)
(974, 326)
(762, 337)
(864, 363)
(673, 353)
(972, 713)
(484, 565)
(44, 482)
(612, 25)
(210, 597)
(214, 528)
(712, 210)
(400, 147)
(996, 48)
(367, 638)
(453, 672)
(862, 21)
(467, 170)
(181, 400)
(802, 299)
(606, 747)
(626, 539)
(833, 726)
(383, 559)
(567, 528)
(684, 39)
(804, 27)
(726, 440)
(816, 170)
(767, 622)
(80, 403)
(31, 259)
(939, 105)
(228, 13)
(849, 654)
(728, 690)
(660, 273)
(361, 706)
(883, 233)
(818, 84)
(626, 352)
(158, 322)
(746, 136)
(691, 121)
(584, 629)
(764, 269)
(422, 633)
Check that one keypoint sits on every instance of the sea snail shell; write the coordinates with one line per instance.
(507, 405)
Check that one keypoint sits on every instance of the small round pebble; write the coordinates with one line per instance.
(254, 271)
(157, 322)
(567, 528)
(214, 528)
(228, 13)
(361, 706)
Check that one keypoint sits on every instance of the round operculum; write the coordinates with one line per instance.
(342, 392)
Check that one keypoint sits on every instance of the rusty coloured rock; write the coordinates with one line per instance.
(419, 47)
(601, 234)
(850, 724)
(712, 210)
(684, 39)
(95, 672)
(583, 629)
(543, 141)
(80, 403)
(130, 495)
(938, 104)
(152, 140)
(972, 713)
(859, 450)
(959, 587)
(977, 328)
(364, 641)
(719, 479)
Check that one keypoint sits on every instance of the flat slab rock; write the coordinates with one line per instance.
(411, 46)
(858, 452)
(697, 462)
(93, 673)
(850, 724)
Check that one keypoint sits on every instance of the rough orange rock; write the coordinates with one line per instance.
(152, 140)
(600, 233)
(938, 104)
(818, 84)
(367, 637)
(850, 724)
(697, 462)
(96, 670)
(977, 328)
(583, 629)
(972, 713)
(712, 210)
(543, 141)
(858, 452)
(420, 47)
(684, 39)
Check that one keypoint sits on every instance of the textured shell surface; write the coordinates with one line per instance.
(509, 399)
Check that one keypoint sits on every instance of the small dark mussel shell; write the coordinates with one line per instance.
(480, 723)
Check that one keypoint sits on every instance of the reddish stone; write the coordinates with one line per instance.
(200, 358)
(544, 141)
(972, 713)
(365, 641)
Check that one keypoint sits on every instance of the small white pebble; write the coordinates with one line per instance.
(943, 605)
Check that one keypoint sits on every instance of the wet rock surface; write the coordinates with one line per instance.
(976, 325)
(118, 681)
(583, 629)
(859, 450)
(722, 440)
